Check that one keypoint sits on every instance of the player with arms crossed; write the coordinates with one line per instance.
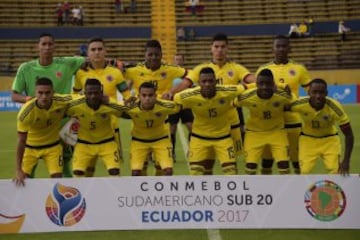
(210, 138)
(319, 136)
(38, 126)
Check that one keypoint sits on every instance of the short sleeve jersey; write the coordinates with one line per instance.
(109, 77)
(60, 71)
(162, 77)
(42, 125)
(210, 115)
(150, 124)
(323, 122)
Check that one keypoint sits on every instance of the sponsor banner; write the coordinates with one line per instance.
(343, 93)
(180, 202)
(6, 104)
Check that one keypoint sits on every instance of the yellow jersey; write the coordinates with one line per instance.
(42, 125)
(292, 74)
(110, 77)
(230, 74)
(162, 77)
(210, 115)
(320, 123)
(150, 124)
(95, 125)
(264, 114)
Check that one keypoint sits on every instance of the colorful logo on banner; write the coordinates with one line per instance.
(325, 201)
(65, 206)
(11, 224)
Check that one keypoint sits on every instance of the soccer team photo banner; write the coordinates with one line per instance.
(180, 202)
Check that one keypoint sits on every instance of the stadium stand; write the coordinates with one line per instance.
(325, 51)
(251, 48)
(27, 13)
(234, 12)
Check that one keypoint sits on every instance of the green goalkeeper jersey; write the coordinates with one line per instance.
(60, 71)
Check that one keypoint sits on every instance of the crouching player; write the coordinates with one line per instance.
(95, 135)
(149, 132)
(265, 125)
(38, 126)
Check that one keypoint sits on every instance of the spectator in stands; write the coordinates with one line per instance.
(303, 30)
(75, 16)
(310, 25)
(193, 5)
(294, 31)
(180, 34)
(342, 30)
(117, 6)
(66, 12)
(81, 22)
(59, 14)
(133, 6)
(191, 34)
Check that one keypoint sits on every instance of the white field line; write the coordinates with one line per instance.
(213, 234)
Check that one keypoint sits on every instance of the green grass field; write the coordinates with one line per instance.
(7, 170)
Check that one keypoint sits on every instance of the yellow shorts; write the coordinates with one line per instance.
(202, 149)
(85, 154)
(52, 156)
(161, 149)
(293, 138)
(311, 149)
(256, 142)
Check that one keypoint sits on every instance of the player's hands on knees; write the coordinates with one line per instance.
(19, 178)
(130, 101)
(344, 168)
(167, 96)
(105, 99)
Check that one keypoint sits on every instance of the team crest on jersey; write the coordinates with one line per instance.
(163, 75)
(222, 101)
(58, 111)
(141, 74)
(103, 115)
(82, 115)
(292, 72)
(158, 114)
(254, 105)
(109, 78)
(326, 117)
(276, 104)
(58, 74)
(230, 73)
(37, 119)
(199, 104)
